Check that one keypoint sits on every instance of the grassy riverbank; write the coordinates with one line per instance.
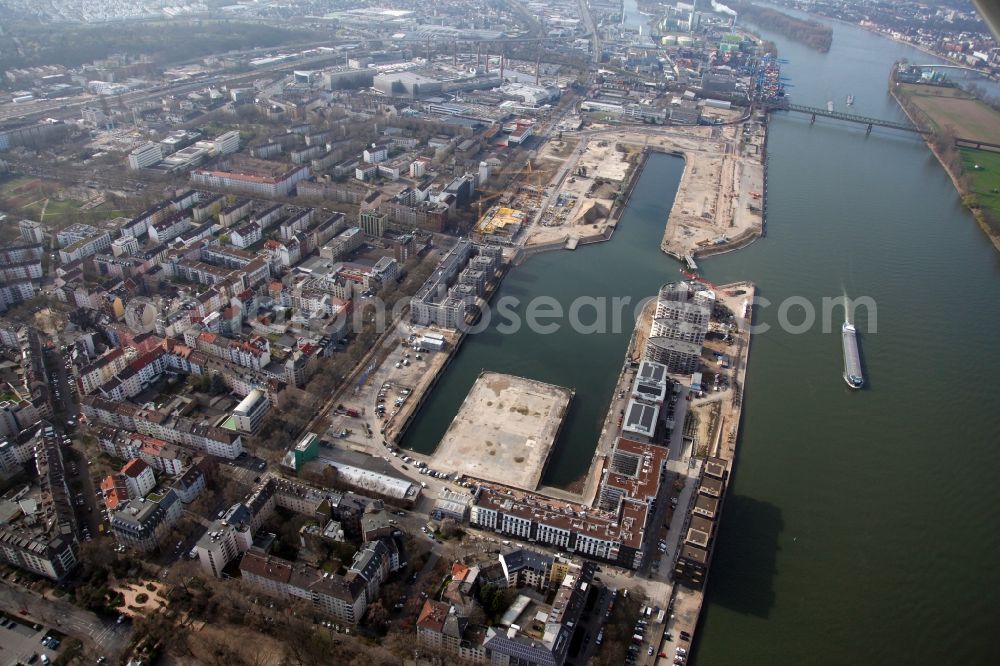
(949, 114)
(983, 169)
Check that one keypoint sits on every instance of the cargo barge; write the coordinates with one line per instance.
(852, 359)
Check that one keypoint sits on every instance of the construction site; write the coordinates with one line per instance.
(587, 175)
(504, 430)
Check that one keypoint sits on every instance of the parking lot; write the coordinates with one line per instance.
(379, 406)
(22, 643)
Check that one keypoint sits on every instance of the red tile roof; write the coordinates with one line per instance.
(433, 616)
(134, 467)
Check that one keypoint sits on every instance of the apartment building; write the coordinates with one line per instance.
(38, 533)
(103, 369)
(530, 633)
(160, 455)
(296, 222)
(404, 214)
(266, 151)
(373, 223)
(176, 429)
(16, 292)
(341, 598)
(13, 253)
(526, 568)
(21, 270)
(267, 186)
(136, 376)
(15, 416)
(613, 531)
(342, 244)
(16, 448)
(245, 235)
(126, 246)
(442, 630)
(692, 562)
(208, 205)
(138, 478)
(142, 522)
(269, 216)
(340, 192)
(237, 212)
(249, 414)
(307, 154)
(253, 353)
(170, 227)
(517, 644)
(327, 229)
(189, 485)
(99, 242)
(448, 295)
(227, 143)
(32, 232)
(225, 539)
(74, 233)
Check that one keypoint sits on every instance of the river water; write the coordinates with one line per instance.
(860, 526)
(632, 18)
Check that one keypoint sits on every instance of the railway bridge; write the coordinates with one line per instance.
(813, 112)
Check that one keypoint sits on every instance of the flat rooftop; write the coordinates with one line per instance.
(504, 430)
(640, 418)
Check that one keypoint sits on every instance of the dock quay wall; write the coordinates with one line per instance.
(397, 435)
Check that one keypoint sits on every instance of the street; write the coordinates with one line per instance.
(108, 637)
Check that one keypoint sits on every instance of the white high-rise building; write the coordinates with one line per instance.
(145, 155)
(683, 312)
(31, 231)
(227, 143)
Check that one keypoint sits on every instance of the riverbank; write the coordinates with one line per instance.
(876, 31)
(808, 32)
(955, 175)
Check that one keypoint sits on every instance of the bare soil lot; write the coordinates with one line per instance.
(951, 108)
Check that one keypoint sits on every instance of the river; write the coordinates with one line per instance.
(860, 526)
(632, 18)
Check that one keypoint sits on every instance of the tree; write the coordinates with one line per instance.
(307, 647)
(494, 600)
(449, 528)
(378, 617)
(211, 383)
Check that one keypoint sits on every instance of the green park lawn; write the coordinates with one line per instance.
(985, 178)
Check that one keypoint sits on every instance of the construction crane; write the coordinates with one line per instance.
(534, 178)
(490, 196)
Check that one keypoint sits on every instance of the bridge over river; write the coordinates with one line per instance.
(814, 112)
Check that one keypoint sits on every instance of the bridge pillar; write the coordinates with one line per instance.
(813, 119)
(869, 130)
